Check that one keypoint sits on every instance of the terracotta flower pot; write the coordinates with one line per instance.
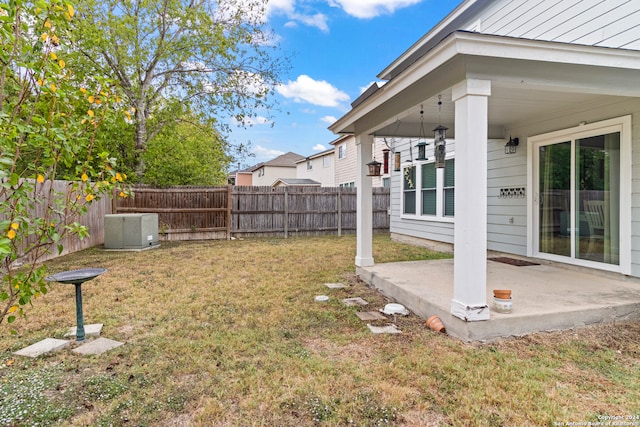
(502, 293)
(435, 324)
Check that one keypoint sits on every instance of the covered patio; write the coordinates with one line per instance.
(546, 296)
(494, 88)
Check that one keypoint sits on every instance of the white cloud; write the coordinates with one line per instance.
(319, 20)
(328, 119)
(317, 92)
(263, 154)
(319, 147)
(251, 121)
(371, 8)
(288, 8)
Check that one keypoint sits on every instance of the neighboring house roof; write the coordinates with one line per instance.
(286, 160)
(296, 182)
(315, 156)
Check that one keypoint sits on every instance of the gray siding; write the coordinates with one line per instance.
(608, 23)
(510, 171)
(506, 216)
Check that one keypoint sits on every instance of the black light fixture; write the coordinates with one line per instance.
(422, 144)
(440, 142)
(510, 146)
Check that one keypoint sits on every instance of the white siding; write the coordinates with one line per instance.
(608, 23)
(322, 170)
(271, 174)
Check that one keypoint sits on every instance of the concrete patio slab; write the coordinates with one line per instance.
(390, 329)
(354, 301)
(335, 285)
(545, 297)
(98, 346)
(92, 330)
(47, 345)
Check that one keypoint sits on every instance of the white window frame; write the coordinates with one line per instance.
(326, 162)
(309, 165)
(439, 216)
(342, 151)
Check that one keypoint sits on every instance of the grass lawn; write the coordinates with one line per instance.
(227, 333)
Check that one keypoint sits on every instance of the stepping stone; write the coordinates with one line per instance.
(97, 347)
(354, 301)
(45, 346)
(370, 315)
(335, 285)
(92, 330)
(390, 329)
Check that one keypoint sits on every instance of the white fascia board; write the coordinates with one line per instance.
(483, 45)
(545, 51)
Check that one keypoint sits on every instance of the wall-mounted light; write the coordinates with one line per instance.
(510, 146)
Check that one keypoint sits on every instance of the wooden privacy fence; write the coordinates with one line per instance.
(190, 213)
(93, 219)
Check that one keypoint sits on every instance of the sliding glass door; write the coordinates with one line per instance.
(578, 195)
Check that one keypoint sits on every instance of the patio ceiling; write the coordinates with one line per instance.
(530, 81)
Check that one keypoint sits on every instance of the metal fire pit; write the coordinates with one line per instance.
(77, 278)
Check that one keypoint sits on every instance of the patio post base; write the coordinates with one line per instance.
(469, 313)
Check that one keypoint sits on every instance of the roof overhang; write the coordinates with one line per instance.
(528, 77)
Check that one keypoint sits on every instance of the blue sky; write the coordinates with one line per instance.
(336, 49)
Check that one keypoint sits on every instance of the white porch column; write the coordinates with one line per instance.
(364, 206)
(470, 242)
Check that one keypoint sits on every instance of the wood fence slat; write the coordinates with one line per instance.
(192, 212)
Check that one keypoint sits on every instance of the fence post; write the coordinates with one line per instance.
(228, 212)
(339, 211)
(286, 213)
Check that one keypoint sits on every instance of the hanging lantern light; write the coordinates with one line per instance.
(439, 139)
(374, 166)
(422, 144)
(440, 145)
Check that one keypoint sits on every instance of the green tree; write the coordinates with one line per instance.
(48, 124)
(212, 56)
(187, 151)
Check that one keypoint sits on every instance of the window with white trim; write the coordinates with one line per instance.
(309, 165)
(428, 192)
(342, 151)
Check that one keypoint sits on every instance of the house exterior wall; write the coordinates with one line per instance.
(323, 170)
(507, 218)
(244, 179)
(607, 23)
(271, 174)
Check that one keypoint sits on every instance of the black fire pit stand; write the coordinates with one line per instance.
(77, 278)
